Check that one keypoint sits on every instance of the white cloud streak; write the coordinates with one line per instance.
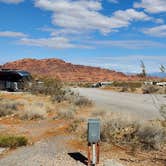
(128, 64)
(12, 34)
(11, 1)
(128, 44)
(56, 43)
(152, 6)
(158, 31)
(52, 42)
(113, 1)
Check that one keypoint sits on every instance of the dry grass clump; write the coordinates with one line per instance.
(163, 115)
(99, 113)
(163, 111)
(25, 106)
(8, 107)
(83, 102)
(33, 111)
(12, 141)
(66, 113)
(151, 137)
(141, 136)
(75, 124)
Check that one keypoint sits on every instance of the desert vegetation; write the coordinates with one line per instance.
(11, 141)
(144, 136)
(27, 107)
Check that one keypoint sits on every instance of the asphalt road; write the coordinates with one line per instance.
(139, 106)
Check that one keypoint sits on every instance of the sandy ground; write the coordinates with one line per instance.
(139, 106)
(54, 147)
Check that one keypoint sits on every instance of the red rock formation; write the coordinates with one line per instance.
(67, 72)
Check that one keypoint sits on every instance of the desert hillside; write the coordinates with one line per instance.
(56, 68)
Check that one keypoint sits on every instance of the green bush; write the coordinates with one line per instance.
(51, 87)
(12, 141)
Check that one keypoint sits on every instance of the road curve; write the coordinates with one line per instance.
(141, 106)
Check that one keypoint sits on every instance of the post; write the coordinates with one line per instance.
(94, 154)
(89, 157)
(98, 152)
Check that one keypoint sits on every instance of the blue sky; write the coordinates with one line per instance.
(114, 34)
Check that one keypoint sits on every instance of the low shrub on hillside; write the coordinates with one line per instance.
(12, 141)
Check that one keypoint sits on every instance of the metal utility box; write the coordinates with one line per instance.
(93, 130)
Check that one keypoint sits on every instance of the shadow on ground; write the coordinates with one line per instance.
(78, 157)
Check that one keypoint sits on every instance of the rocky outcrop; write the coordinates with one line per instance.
(67, 72)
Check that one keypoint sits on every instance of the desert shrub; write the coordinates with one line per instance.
(33, 111)
(147, 89)
(127, 84)
(31, 116)
(163, 115)
(74, 125)
(124, 89)
(163, 111)
(129, 133)
(12, 141)
(151, 137)
(82, 101)
(8, 107)
(118, 131)
(65, 113)
(98, 113)
(51, 87)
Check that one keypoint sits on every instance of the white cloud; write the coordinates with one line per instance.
(129, 44)
(85, 15)
(128, 64)
(11, 1)
(56, 43)
(113, 1)
(152, 6)
(52, 42)
(12, 34)
(158, 31)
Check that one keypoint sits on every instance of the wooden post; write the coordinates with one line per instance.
(89, 157)
(98, 152)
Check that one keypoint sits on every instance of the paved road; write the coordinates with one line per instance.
(141, 106)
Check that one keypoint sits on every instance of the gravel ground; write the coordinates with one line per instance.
(139, 106)
(50, 152)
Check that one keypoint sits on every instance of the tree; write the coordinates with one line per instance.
(162, 68)
(143, 68)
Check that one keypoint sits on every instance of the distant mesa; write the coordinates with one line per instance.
(67, 72)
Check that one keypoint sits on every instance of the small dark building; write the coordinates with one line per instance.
(14, 80)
